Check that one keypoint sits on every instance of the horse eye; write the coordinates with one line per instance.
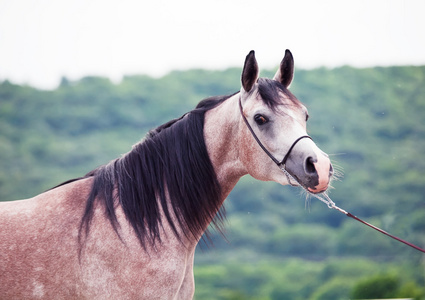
(306, 117)
(260, 120)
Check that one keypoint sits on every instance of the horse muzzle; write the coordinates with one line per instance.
(314, 173)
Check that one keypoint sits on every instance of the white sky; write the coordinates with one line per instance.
(43, 40)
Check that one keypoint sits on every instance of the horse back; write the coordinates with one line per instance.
(39, 236)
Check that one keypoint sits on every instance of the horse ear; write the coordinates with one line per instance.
(286, 70)
(250, 72)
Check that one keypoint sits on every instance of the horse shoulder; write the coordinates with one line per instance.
(115, 267)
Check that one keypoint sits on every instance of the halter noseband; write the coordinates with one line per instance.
(277, 162)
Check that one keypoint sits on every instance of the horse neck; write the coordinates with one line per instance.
(222, 132)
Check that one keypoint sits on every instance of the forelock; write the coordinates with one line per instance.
(271, 92)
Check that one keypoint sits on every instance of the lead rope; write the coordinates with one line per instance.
(328, 201)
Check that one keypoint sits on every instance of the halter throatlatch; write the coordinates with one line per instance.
(280, 164)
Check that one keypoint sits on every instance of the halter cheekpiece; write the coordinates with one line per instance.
(276, 161)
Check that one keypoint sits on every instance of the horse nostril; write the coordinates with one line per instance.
(331, 170)
(309, 166)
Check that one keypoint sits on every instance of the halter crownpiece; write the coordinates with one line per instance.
(276, 161)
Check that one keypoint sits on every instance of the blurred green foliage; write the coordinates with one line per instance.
(386, 286)
(280, 244)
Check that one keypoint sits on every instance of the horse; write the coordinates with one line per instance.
(129, 229)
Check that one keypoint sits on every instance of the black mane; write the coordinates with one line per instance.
(172, 161)
(170, 164)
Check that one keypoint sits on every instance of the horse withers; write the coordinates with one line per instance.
(129, 229)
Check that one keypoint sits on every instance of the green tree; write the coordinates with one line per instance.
(382, 286)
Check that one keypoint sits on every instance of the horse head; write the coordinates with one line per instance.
(276, 121)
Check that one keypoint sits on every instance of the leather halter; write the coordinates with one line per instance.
(277, 162)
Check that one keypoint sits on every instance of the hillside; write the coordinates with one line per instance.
(280, 245)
